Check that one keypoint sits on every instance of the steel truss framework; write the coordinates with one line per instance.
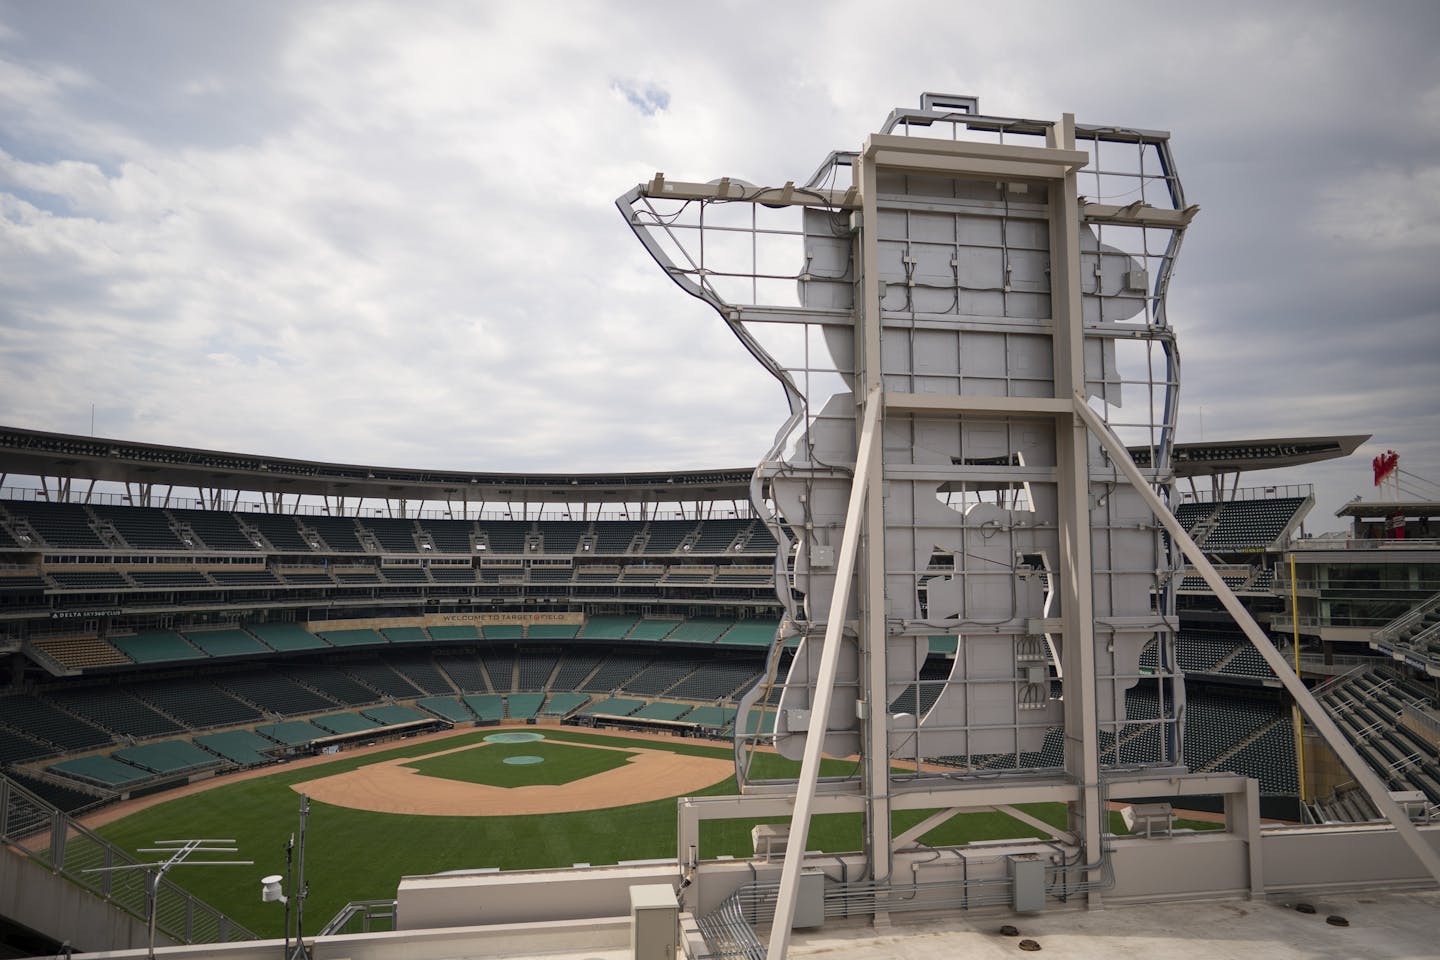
(968, 332)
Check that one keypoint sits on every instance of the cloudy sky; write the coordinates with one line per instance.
(385, 232)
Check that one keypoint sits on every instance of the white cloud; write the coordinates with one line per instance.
(383, 232)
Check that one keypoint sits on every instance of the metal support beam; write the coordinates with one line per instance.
(1359, 769)
(824, 686)
(875, 724)
(1077, 656)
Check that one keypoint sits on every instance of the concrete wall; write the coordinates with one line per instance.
(1318, 858)
(524, 896)
(499, 941)
(33, 896)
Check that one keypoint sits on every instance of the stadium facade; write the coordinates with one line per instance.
(974, 557)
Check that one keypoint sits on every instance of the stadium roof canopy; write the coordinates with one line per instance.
(1238, 456)
(42, 454)
(1384, 509)
(36, 453)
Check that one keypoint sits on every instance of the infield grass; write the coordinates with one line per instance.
(561, 764)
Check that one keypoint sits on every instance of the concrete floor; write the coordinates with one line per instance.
(1383, 926)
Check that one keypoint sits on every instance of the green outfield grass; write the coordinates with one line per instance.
(359, 855)
(562, 764)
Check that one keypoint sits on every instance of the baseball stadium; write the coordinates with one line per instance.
(978, 640)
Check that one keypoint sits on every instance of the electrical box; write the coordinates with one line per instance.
(1027, 882)
(654, 922)
(1137, 281)
(809, 901)
(822, 557)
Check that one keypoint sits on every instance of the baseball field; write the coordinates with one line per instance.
(456, 800)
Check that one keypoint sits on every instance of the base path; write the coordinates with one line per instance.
(391, 786)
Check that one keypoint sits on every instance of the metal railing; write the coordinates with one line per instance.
(50, 837)
(1275, 492)
(361, 916)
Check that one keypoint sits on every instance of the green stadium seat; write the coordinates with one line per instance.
(345, 723)
(524, 706)
(226, 643)
(446, 708)
(157, 646)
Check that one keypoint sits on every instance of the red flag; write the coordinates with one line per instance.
(1384, 465)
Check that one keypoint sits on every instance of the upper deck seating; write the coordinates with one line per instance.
(65, 526)
(218, 530)
(339, 533)
(308, 578)
(1252, 524)
(280, 531)
(667, 535)
(451, 536)
(562, 536)
(394, 535)
(144, 528)
(716, 536)
(505, 536)
(615, 536)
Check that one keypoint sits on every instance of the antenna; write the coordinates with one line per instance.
(179, 852)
